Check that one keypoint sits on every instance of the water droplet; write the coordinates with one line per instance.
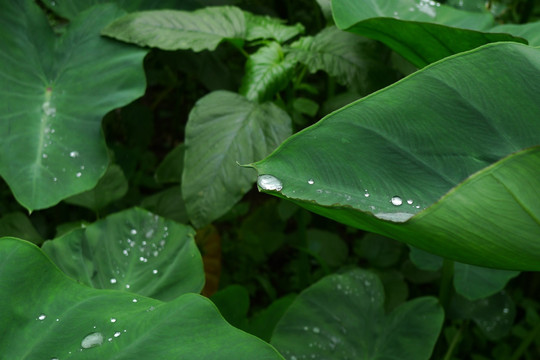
(154, 271)
(149, 233)
(92, 340)
(143, 259)
(128, 286)
(366, 194)
(311, 182)
(45, 156)
(54, 179)
(113, 320)
(417, 206)
(269, 182)
(396, 201)
(409, 202)
(134, 300)
(125, 252)
(42, 317)
(74, 154)
(133, 232)
(316, 330)
(113, 281)
(117, 334)
(79, 174)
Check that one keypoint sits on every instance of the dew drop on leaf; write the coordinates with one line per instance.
(396, 201)
(269, 182)
(92, 340)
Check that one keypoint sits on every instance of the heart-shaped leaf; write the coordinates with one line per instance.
(225, 129)
(342, 317)
(421, 31)
(379, 161)
(53, 317)
(55, 91)
(134, 251)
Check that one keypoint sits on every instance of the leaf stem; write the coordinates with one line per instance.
(445, 289)
(535, 332)
(455, 341)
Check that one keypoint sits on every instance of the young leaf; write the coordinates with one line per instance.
(342, 317)
(53, 317)
(54, 94)
(134, 251)
(421, 31)
(223, 130)
(379, 161)
(199, 30)
(265, 27)
(267, 73)
(339, 53)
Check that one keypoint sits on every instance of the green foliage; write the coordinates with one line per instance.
(127, 190)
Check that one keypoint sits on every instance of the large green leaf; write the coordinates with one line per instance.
(266, 27)
(134, 251)
(343, 317)
(379, 161)
(267, 73)
(55, 91)
(225, 129)
(421, 31)
(46, 315)
(199, 30)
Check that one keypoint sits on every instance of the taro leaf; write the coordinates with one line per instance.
(473, 282)
(265, 27)
(233, 304)
(70, 9)
(199, 30)
(530, 31)
(54, 94)
(342, 317)
(46, 315)
(376, 163)
(134, 251)
(225, 129)
(263, 323)
(170, 169)
(338, 53)
(327, 246)
(267, 73)
(421, 31)
(425, 260)
(112, 186)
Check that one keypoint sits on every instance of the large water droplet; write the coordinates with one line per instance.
(396, 200)
(92, 340)
(410, 202)
(269, 182)
(117, 334)
(113, 281)
(42, 317)
(311, 182)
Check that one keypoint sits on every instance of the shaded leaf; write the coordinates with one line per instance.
(168, 203)
(421, 31)
(339, 53)
(267, 73)
(112, 186)
(233, 304)
(199, 30)
(376, 163)
(530, 31)
(134, 251)
(209, 242)
(54, 317)
(170, 169)
(474, 282)
(53, 90)
(263, 323)
(493, 315)
(225, 129)
(17, 224)
(327, 246)
(266, 27)
(342, 317)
